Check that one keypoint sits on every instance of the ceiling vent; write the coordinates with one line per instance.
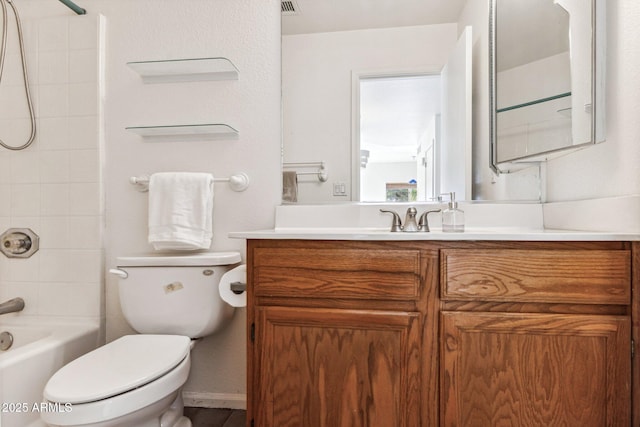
(289, 7)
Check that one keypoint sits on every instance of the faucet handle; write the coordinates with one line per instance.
(396, 225)
(423, 223)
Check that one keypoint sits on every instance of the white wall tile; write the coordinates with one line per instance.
(83, 33)
(74, 300)
(12, 74)
(83, 66)
(5, 200)
(54, 100)
(54, 166)
(54, 232)
(53, 133)
(25, 200)
(24, 269)
(25, 167)
(83, 99)
(83, 166)
(83, 132)
(84, 199)
(55, 265)
(17, 107)
(54, 199)
(53, 67)
(5, 167)
(53, 34)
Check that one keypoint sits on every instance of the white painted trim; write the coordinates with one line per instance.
(214, 400)
(356, 75)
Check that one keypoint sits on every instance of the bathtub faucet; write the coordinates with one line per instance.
(12, 306)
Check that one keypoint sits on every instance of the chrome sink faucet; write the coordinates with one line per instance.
(12, 306)
(410, 224)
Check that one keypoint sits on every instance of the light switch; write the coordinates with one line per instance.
(339, 189)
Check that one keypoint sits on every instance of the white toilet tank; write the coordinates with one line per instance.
(175, 294)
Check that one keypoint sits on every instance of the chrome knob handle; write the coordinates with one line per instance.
(18, 243)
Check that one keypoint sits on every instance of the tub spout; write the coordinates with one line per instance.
(12, 306)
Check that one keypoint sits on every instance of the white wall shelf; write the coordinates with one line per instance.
(185, 70)
(196, 132)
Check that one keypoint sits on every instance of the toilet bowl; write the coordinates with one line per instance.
(136, 380)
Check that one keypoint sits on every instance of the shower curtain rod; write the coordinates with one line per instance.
(71, 5)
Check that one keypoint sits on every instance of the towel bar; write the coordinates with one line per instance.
(321, 174)
(237, 182)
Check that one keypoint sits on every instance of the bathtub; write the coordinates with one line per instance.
(40, 348)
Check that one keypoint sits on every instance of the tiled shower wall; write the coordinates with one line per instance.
(54, 187)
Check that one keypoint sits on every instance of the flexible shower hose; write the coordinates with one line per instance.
(3, 49)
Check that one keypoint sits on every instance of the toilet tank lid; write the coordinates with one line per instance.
(205, 259)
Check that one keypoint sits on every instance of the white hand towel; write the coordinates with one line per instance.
(180, 210)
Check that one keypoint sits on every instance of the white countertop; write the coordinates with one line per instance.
(497, 233)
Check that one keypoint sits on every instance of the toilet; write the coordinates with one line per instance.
(136, 380)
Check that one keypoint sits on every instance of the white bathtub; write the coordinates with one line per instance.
(40, 348)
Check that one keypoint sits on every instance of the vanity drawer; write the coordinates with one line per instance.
(337, 273)
(545, 276)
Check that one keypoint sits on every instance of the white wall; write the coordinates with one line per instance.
(248, 33)
(609, 168)
(316, 84)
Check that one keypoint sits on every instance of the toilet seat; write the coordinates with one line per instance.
(122, 365)
(124, 403)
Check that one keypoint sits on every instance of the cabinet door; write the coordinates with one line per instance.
(543, 370)
(337, 368)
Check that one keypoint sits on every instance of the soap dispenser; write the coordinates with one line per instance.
(452, 217)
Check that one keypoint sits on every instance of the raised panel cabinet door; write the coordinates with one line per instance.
(542, 370)
(337, 368)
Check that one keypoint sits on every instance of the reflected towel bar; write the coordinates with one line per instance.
(322, 173)
(71, 5)
(238, 182)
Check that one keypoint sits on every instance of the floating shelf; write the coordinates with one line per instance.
(197, 132)
(537, 101)
(185, 70)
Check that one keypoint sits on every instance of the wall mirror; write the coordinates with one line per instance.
(330, 47)
(366, 96)
(546, 77)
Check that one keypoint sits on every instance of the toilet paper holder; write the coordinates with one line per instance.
(238, 287)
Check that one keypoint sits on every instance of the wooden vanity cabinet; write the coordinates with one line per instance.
(428, 333)
(342, 334)
(536, 336)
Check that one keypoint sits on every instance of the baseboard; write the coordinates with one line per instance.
(214, 400)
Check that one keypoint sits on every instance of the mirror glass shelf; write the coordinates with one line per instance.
(534, 102)
(185, 70)
(195, 132)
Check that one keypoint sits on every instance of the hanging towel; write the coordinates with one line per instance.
(290, 186)
(180, 210)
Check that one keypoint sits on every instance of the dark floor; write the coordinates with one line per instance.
(206, 417)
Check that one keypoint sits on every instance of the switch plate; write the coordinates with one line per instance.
(339, 189)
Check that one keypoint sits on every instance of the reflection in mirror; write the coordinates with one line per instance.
(544, 79)
(398, 120)
(328, 49)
